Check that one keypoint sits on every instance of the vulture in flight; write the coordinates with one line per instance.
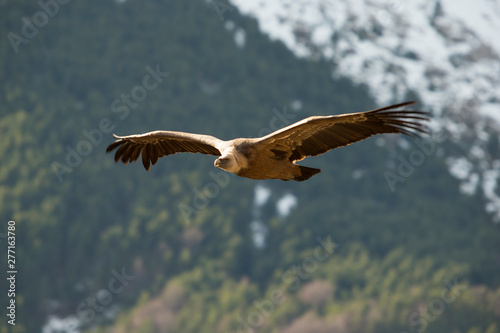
(274, 156)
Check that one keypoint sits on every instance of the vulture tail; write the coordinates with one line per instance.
(306, 173)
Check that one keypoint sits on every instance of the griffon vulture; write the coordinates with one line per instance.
(274, 156)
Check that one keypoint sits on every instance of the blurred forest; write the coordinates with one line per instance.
(112, 248)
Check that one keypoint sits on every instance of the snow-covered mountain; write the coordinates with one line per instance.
(446, 51)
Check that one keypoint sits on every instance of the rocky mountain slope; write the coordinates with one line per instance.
(446, 52)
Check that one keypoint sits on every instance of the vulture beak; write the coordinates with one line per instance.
(221, 162)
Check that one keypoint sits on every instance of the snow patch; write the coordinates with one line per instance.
(446, 51)
(285, 205)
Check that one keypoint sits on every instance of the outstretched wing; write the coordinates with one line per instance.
(154, 145)
(317, 135)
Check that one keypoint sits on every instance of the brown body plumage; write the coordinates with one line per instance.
(273, 156)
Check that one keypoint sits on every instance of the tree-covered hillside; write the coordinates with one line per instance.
(119, 249)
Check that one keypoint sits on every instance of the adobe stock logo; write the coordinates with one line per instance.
(292, 279)
(424, 316)
(120, 106)
(86, 310)
(416, 157)
(221, 7)
(29, 29)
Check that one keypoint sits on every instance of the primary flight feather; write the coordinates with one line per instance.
(273, 156)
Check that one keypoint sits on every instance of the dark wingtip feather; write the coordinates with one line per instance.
(407, 122)
(145, 162)
(394, 106)
(119, 155)
(114, 145)
(154, 154)
(146, 153)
